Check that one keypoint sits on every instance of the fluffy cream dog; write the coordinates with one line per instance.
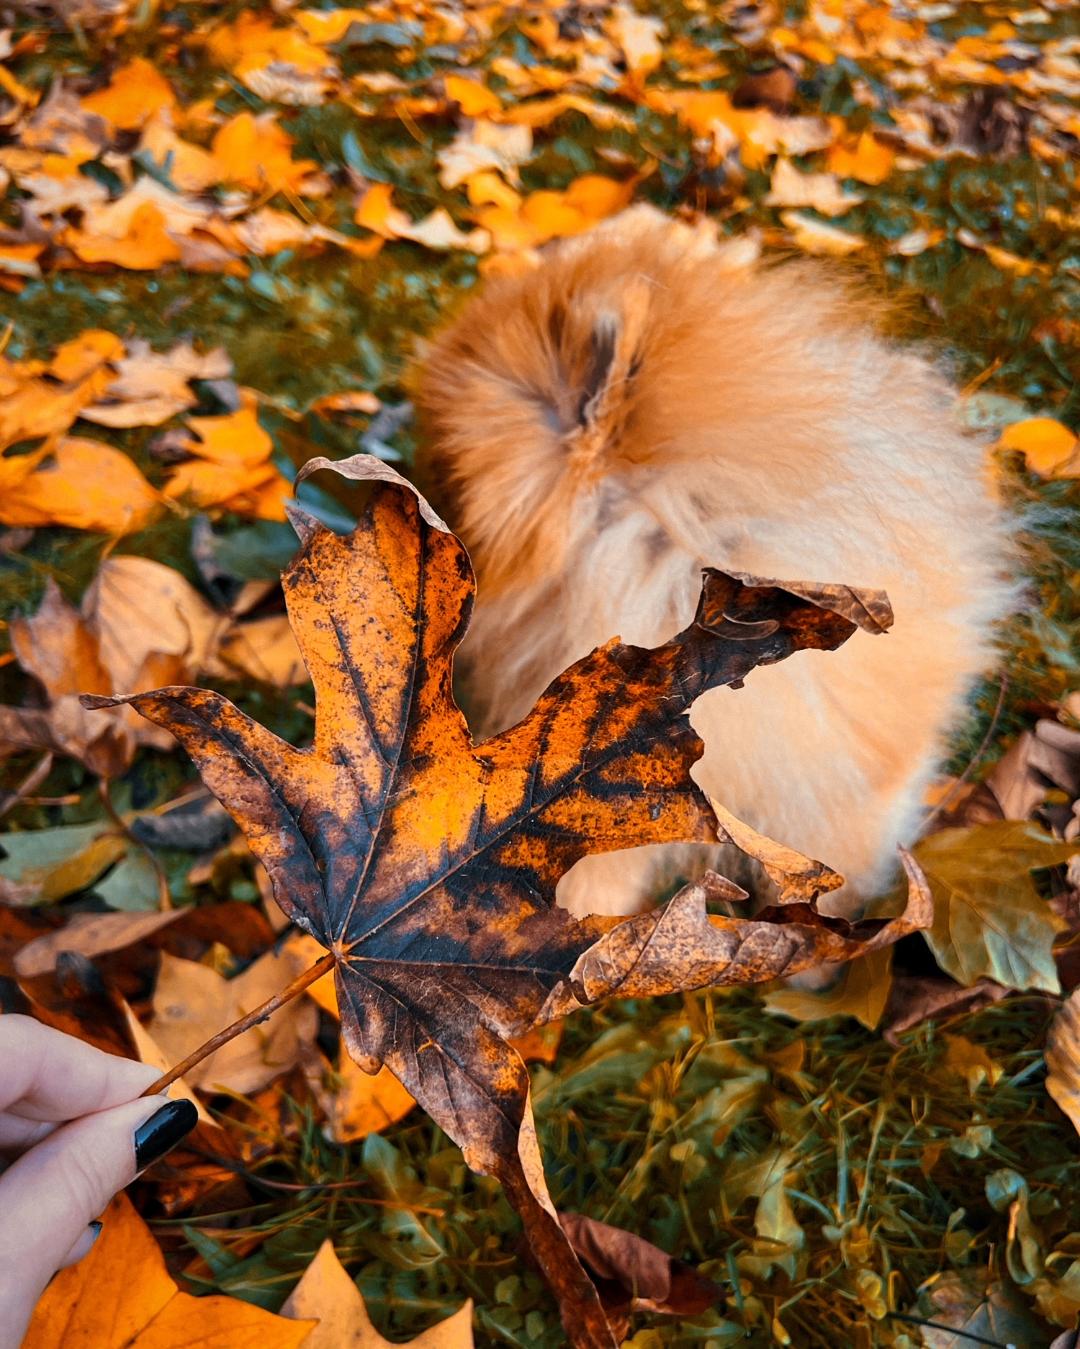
(642, 404)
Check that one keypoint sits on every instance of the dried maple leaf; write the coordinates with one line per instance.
(427, 866)
(120, 1296)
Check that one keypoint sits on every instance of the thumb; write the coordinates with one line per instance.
(49, 1196)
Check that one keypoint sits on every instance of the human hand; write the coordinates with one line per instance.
(72, 1118)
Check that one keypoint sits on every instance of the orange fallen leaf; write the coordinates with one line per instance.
(120, 1296)
(814, 236)
(144, 245)
(134, 94)
(256, 153)
(1049, 447)
(231, 466)
(862, 157)
(274, 62)
(474, 98)
(82, 484)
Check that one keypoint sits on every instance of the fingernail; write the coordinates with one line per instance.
(162, 1131)
(95, 1230)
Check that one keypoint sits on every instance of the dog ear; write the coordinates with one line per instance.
(618, 339)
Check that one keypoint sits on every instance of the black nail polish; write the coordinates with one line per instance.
(162, 1131)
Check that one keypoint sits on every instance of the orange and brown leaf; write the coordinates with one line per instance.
(427, 865)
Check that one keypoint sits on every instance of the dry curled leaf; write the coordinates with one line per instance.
(427, 865)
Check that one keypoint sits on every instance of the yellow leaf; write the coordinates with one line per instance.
(1063, 1058)
(82, 355)
(355, 1103)
(134, 94)
(821, 191)
(376, 211)
(814, 236)
(254, 152)
(144, 246)
(1049, 448)
(82, 484)
(474, 99)
(326, 1292)
(279, 62)
(120, 1296)
(235, 438)
(190, 167)
(864, 158)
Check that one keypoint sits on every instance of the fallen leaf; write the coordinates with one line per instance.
(861, 990)
(821, 240)
(1049, 448)
(436, 894)
(1039, 763)
(150, 387)
(90, 934)
(149, 1051)
(327, 1295)
(81, 484)
(354, 1102)
(120, 1296)
(472, 96)
(1063, 1058)
(968, 1305)
(275, 63)
(989, 921)
(862, 157)
(134, 94)
(231, 466)
(637, 1273)
(821, 191)
(42, 866)
(256, 153)
(192, 1002)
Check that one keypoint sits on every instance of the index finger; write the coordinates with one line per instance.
(47, 1075)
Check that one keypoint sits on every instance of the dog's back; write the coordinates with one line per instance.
(641, 405)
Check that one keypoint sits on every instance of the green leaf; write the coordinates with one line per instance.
(132, 884)
(44, 865)
(989, 921)
(861, 991)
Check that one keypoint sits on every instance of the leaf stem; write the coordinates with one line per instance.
(322, 966)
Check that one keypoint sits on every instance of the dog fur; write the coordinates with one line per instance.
(642, 404)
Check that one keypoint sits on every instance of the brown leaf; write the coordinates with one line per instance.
(637, 1273)
(90, 934)
(192, 1002)
(773, 89)
(428, 865)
